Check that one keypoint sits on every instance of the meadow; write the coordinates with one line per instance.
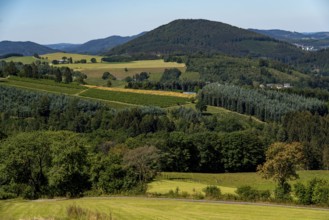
(227, 182)
(148, 208)
(94, 71)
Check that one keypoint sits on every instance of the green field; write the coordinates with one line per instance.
(24, 60)
(232, 180)
(134, 98)
(144, 209)
(45, 85)
(58, 56)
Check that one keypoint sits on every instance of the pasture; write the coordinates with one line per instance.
(232, 180)
(24, 60)
(58, 56)
(149, 208)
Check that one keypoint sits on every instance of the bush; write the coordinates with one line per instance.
(6, 195)
(282, 193)
(247, 193)
(212, 192)
(316, 191)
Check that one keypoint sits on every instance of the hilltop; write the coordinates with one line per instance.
(188, 36)
(95, 47)
(27, 48)
(307, 41)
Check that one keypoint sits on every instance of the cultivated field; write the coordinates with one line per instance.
(144, 209)
(116, 97)
(95, 71)
(134, 98)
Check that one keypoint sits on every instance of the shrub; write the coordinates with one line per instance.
(247, 193)
(316, 191)
(6, 195)
(212, 192)
(282, 193)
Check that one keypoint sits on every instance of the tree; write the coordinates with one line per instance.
(282, 161)
(25, 160)
(68, 174)
(105, 75)
(109, 83)
(201, 106)
(144, 160)
(93, 60)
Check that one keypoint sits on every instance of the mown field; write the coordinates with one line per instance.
(145, 208)
(24, 60)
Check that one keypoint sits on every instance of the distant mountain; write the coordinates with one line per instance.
(25, 48)
(192, 36)
(95, 47)
(62, 46)
(307, 41)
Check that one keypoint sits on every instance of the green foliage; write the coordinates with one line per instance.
(264, 104)
(212, 192)
(247, 193)
(316, 191)
(193, 36)
(282, 161)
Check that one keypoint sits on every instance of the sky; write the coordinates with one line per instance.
(78, 21)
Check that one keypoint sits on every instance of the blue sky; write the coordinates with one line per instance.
(77, 21)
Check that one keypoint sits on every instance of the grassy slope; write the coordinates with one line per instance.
(237, 179)
(143, 208)
(24, 60)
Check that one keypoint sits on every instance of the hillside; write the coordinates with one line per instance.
(95, 47)
(307, 41)
(25, 48)
(192, 36)
(62, 46)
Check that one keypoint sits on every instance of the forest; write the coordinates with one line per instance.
(59, 140)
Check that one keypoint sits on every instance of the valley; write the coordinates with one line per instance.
(194, 119)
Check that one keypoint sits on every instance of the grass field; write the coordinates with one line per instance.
(233, 180)
(45, 85)
(164, 186)
(95, 71)
(24, 60)
(144, 209)
(134, 98)
(58, 56)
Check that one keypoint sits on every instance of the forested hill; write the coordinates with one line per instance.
(27, 48)
(100, 46)
(192, 36)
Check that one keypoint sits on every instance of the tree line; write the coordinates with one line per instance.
(266, 105)
(41, 70)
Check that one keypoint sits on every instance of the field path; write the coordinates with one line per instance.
(141, 91)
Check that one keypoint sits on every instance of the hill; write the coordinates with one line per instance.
(307, 41)
(193, 36)
(62, 46)
(27, 48)
(95, 47)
